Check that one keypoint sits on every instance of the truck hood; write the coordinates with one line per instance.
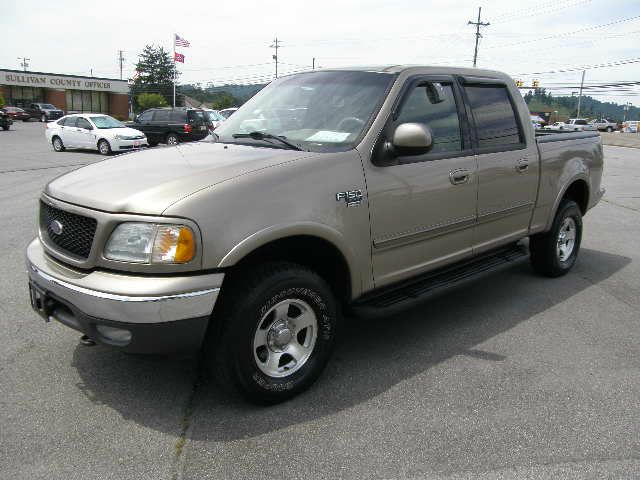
(148, 182)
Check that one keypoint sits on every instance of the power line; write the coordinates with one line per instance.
(24, 63)
(478, 24)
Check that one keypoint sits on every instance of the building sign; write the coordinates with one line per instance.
(28, 79)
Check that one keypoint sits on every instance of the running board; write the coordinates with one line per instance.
(411, 292)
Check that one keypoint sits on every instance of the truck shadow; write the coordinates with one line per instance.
(374, 355)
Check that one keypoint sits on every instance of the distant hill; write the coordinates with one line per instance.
(541, 101)
(223, 96)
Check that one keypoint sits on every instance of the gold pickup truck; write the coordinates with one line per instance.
(329, 194)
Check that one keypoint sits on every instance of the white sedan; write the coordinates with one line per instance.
(94, 131)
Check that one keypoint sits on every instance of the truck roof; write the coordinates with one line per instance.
(427, 69)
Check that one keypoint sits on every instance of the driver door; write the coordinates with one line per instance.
(423, 206)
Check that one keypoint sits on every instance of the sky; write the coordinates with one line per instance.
(230, 41)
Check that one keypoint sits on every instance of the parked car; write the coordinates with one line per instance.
(94, 132)
(604, 125)
(631, 126)
(254, 244)
(44, 112)
(579, 124)
(172, 126)
(215, 117)
(16, 113)
(556, 126)
(227, 112)
(5, 120)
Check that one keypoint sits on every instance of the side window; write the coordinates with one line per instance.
(146, 116)
(70, 121)
(178, 116)
(161, 116)
(495, 119)
(581, 122)
(434, 105)
(83, 123)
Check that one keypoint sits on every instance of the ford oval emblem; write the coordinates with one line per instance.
(56, 227)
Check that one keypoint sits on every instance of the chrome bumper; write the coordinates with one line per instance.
(121, 297)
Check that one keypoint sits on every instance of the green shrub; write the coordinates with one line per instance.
(1, 100)
(151, 100)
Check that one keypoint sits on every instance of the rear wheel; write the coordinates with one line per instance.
(274, 332)
(58, 146)
(104, 148)
(43, 118)
(609, 129)
(172, 139)
(555, 252)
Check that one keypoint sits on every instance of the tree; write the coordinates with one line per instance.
(151, 100)
(1, 100)
(155, 73)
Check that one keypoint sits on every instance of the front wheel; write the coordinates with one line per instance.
(555, 252)
(104, 148)
(43, 118)
(609, 129)
(5, 127)
(58, 146)
(274, 332)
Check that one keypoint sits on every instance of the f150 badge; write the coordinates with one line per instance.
(352, 198)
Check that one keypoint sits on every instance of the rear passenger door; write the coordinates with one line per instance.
(507, 164)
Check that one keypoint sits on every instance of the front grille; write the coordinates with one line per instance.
(77, 232)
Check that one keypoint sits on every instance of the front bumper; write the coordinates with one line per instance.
(138, 313)
(123, 145)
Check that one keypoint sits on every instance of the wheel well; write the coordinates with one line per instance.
(319, 255)
(578, 191)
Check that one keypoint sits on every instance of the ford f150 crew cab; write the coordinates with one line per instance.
(357, 190)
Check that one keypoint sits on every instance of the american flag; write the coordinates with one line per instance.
(179, 58)
(181, 42)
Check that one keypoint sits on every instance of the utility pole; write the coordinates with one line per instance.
(625, 109)
(580, 94)
(121, 61)
(24, 63)
(276, 44)
(313, 63)
(478, 24)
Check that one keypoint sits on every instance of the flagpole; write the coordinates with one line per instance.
(174, 69)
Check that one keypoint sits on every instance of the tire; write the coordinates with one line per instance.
(548, 257)
(153, 144)
(26, 119)
(58, 146)
(254, 330)
(104, 148)
(5, 127)
(609, 129)
(172, 139)
(43, 118)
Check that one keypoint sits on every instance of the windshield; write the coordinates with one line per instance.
(47, 106)
(106, 122)
(318, 111)
(215, 116)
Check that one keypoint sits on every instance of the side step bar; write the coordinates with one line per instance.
(406, 294)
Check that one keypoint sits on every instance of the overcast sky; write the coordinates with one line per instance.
(230, 40)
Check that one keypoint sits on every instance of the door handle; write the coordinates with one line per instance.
(459, 176)
(522, 166)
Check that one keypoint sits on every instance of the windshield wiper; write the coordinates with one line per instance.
(267, 137)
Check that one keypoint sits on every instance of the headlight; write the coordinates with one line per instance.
(151, 243)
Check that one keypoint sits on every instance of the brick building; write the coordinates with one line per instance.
(70, 93)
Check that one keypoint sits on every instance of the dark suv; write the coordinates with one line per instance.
(172, 126)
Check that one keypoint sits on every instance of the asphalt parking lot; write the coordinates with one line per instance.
(516, 376)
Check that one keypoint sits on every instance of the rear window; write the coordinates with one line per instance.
(494, 116)
(196, 116)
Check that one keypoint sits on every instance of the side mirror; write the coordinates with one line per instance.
(412, 138)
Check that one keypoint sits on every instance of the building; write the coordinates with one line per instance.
(70, 93)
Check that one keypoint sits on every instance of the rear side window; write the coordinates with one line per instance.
(161, 116)
(70, 121)
(434, 104)
(178, 117)
(494, 116)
